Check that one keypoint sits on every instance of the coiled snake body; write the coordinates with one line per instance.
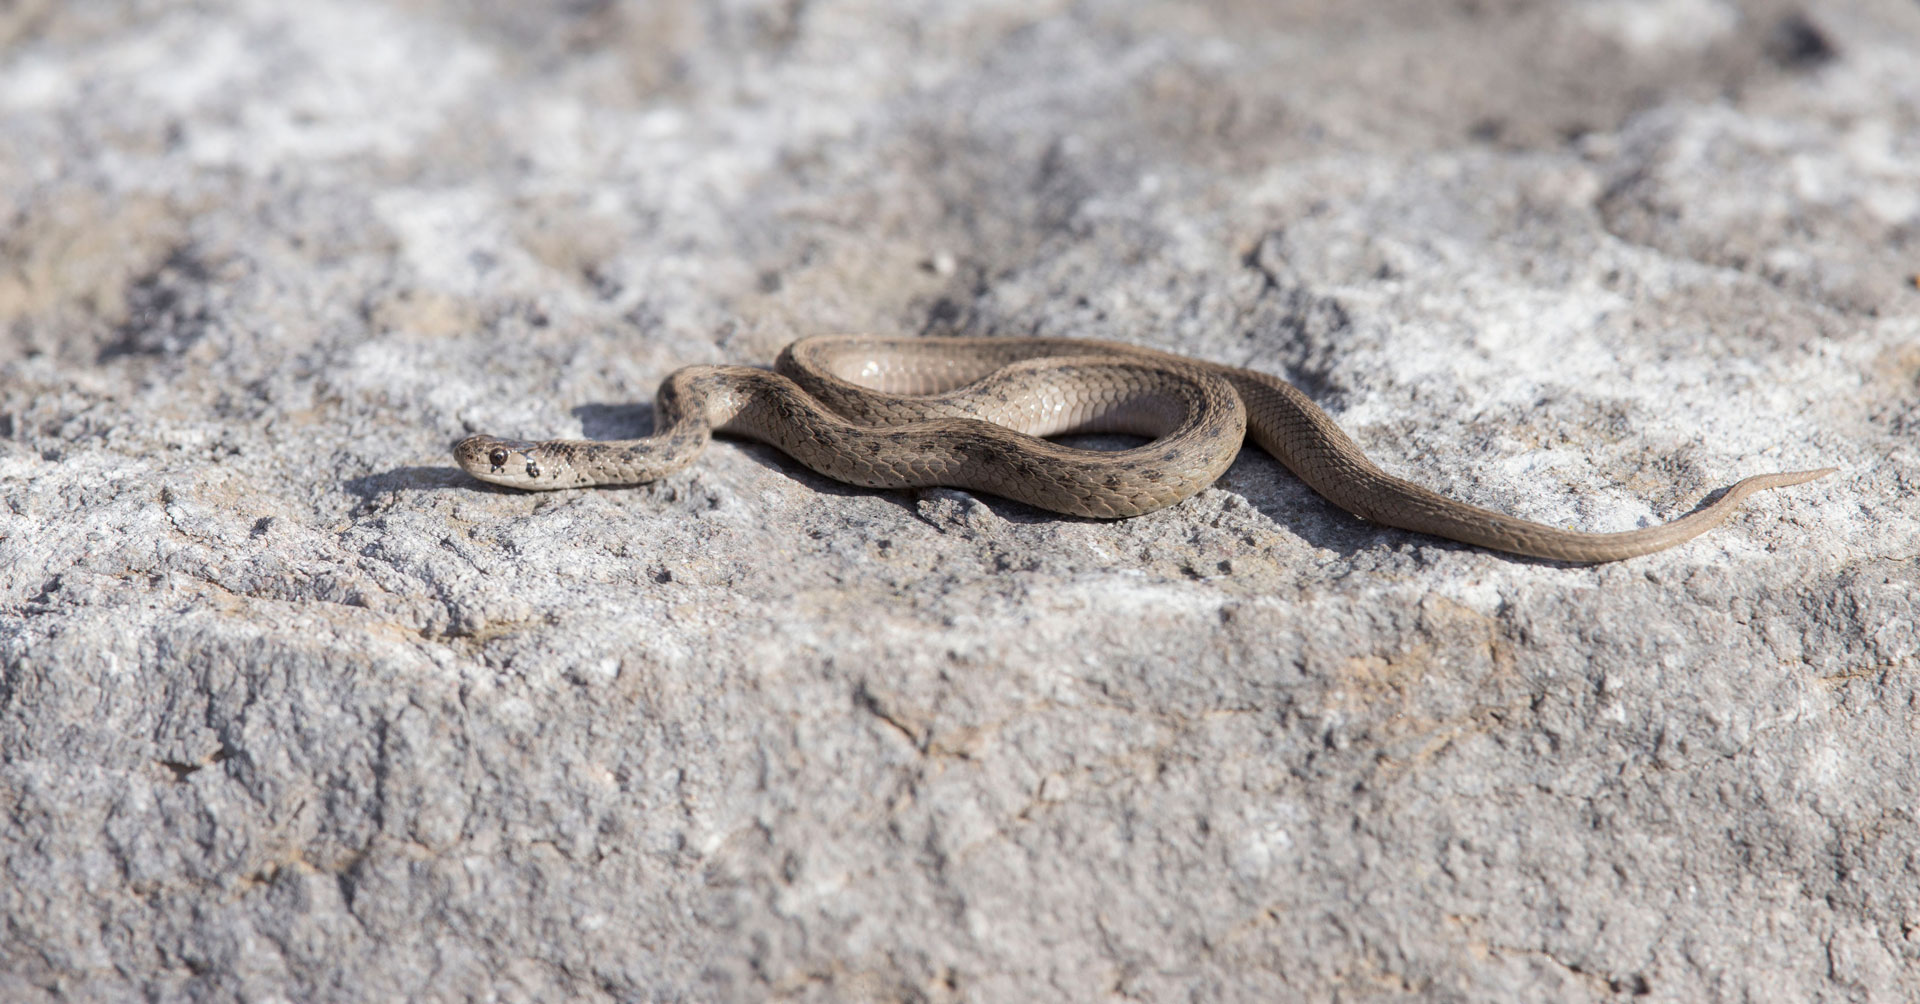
(968, 413)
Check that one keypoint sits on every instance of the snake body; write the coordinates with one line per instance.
(969, 413)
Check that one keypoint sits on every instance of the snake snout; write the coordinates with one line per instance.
(492, 459)
(471, 453)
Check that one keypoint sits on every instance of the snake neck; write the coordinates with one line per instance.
(691, 404)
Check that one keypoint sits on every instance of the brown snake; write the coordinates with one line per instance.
(968, 413)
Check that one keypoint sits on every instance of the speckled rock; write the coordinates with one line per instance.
(292, 709)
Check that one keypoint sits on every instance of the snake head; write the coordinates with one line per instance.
(511, 462)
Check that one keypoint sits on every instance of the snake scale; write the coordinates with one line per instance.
(969, 413)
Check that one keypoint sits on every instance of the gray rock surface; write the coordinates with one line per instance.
(291, 709)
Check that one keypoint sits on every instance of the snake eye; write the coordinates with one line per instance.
(498, 457)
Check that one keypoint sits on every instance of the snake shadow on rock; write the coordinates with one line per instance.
(1291, 505)
(413, 478)
(1263, 482)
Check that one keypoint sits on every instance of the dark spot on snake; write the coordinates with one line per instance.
(533, 469)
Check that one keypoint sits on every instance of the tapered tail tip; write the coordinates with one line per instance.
(1762, 482)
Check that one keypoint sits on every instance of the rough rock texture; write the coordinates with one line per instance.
(291, 709)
